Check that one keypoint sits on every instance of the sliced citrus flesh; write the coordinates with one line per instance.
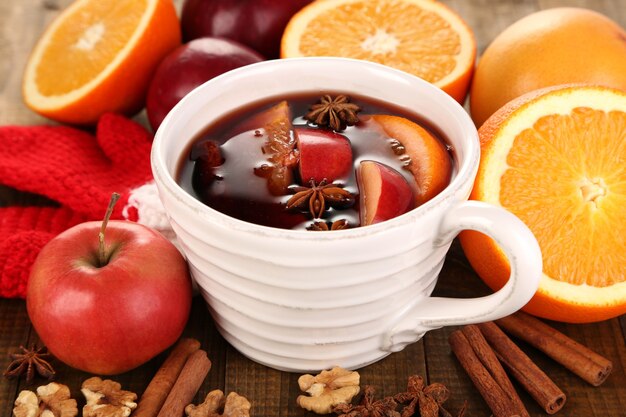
(424, 155)
(556, 158)
(99, 56)
(421, 37)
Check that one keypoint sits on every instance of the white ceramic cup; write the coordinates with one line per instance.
(304, 301)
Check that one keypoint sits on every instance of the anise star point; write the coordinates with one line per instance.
(417, 400)
(336, 113)
(30, 362)
(428, 399)
(317, 196)
(368, 407)
(322, 226)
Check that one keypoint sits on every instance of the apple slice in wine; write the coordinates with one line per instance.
(425, 156)
(323, 155)
(384, 193)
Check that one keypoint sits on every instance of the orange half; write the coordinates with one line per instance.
(421, 37)
(556, 158)
(99, 56)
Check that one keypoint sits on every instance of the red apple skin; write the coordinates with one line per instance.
(188, 66)
(258, 24)
(323, 154)
(384, 193)
(111, 319)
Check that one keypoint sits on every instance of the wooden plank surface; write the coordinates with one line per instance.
(271, 392)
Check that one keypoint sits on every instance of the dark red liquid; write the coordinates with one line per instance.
(236, 190)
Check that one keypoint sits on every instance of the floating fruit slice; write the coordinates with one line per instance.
(264, 118)
(207, 156)
(323, 155)
(555, 158)
(98, 57)
(384, 192)
(274, 126)
(424, 155)
(421, 37)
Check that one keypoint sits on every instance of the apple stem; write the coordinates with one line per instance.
(101, 252)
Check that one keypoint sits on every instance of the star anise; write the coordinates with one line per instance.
(317, 196)
(29, 362)
(336, 113)
(368, 407)
(322, 226)
(428, 399)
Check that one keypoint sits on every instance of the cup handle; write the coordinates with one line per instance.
(522, 250)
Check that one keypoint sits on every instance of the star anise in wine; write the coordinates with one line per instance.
(369, 407)
(317, 196)
(30, 362)
(322, 226)
(336, 113)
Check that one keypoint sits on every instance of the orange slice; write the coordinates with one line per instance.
(425, 156)
(422, 37)
(556, 158)
(99, 56)
(278, 146)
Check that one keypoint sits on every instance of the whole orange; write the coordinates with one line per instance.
(550, 47)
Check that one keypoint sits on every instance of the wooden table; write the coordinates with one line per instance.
(274, 393)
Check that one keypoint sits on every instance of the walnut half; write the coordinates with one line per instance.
(232, 406)
(52, 400)
(107, 399)
(328, 389)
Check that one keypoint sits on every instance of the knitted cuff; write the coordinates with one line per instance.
(144, 206)
(17, 254)
(23, 232)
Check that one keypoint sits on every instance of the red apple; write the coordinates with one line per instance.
(187, 67)
(384, 193)
(258, 24)
(107, 317)
(323, 154)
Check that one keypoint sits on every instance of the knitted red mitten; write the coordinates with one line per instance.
(81, 172)
(23, 232)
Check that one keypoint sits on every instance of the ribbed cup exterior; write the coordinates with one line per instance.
(306, 310)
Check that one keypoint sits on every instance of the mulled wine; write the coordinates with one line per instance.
(305, 162)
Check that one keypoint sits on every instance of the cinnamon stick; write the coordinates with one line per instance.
(488, 358)
(579, 359)
(543, 390)
(187, 384)
(498, 401)
(161, 384)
